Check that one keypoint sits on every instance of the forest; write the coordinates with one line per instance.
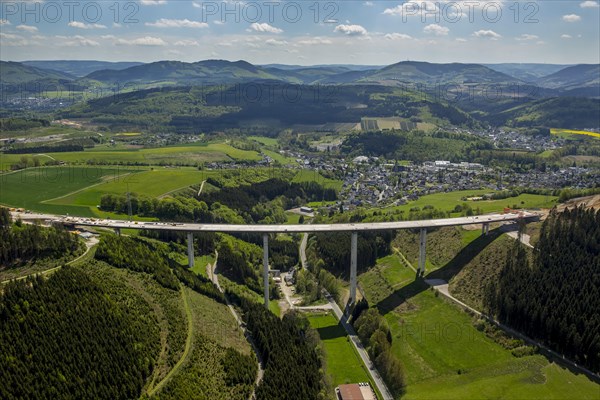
(292, 364)
(262, 202)
(334, 249)
(554, 296)
(153, 257)
(63, 338)
(21, 242)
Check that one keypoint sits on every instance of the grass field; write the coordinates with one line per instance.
(445, 357)
(188, 154)
(343, 364)
(153, 183)
(313, 176)
(30, 187)
(565, 133)
(268, 141)
(200, 264)
(447, 201)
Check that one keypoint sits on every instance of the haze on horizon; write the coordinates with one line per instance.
(299, 33)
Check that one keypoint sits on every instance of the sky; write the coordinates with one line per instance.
(303, 32)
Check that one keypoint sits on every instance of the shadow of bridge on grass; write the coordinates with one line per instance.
(447, 272)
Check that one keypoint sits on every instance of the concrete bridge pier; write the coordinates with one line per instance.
(266, 268)
(190, 244)
(485, 229)
(353, 258)
(422, 251)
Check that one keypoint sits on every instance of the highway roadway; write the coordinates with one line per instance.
(312, 228)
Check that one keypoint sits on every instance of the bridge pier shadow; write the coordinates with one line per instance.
(447, 272)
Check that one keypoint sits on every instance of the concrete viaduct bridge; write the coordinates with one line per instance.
(265, 230)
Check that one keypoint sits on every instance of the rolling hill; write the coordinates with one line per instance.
(79, 68)
(14, 73)
(527, 72)
(177, 72)
(559, 112)
(428, 73)
(583, 78)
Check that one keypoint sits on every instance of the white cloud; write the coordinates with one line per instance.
(565, 36)
(489, 34)
(218, 22)
(368, 3)
(275, 42)
(462, 40)
(117, 25)
(4, 22)
(314, 41)
(27, 28)
(152, 2)
(571, 18)
(589, 4)
(8, 39)
(264, 27)
(186, 43)
(81, 25)
(196, 5)
(396, 36)
(79, 41)
(177, 23)
(412, 8)
(526, 36)
(351, 30)
(436, 30)
(108, 37)
(143, 41)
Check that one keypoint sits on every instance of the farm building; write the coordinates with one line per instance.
(355, 391)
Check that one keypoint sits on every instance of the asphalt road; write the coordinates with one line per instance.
(357, 227)
(360, 349)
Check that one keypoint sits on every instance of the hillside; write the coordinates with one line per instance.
(259, 108)
(14, 73)
(577, 76)
(527, 72)
(79, 68)
(561, 112)
(424, 72)
(209, 71)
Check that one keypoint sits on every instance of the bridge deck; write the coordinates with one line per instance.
(345, 227)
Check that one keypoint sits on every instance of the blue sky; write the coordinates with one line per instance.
(303, 32)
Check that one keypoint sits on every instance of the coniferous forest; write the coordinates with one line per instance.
(63, 338)
(292, 365)
(21, 242)
(554, 297)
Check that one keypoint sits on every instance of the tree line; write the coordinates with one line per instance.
(153, 258)
(373, 330)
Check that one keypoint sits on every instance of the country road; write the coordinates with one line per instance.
(359, 348)
(211, 272)
(442, 287)
(89, 245)
(381, 386)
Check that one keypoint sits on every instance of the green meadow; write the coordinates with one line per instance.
(189, 154)
(342, 363)
(447, 201)
(446, 357)
(306, 175)
(29, 188)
